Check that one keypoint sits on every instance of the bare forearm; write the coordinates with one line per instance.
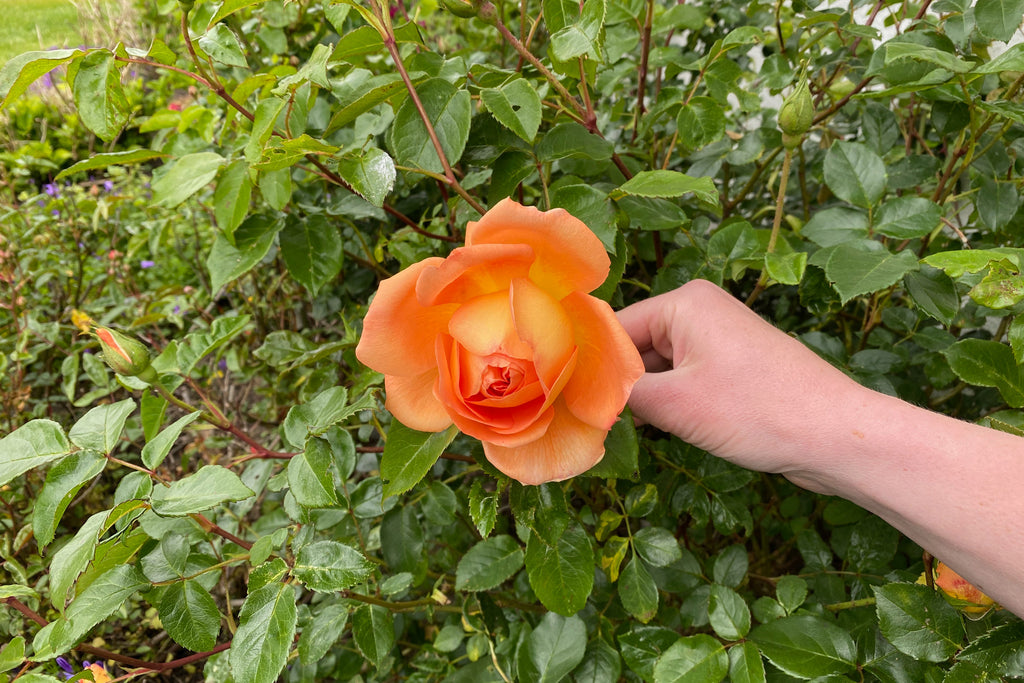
(953, 487)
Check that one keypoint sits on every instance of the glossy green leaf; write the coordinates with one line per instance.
(956, 263)
(728, 613)
(998, 19)
(222, 45)
(806, 646)
(791, 592)
(409, 455)
(100, 428)
(745, 664)
(322, 632)
(231, 199)
(63, 482)
(662, 183)
(310, 476)
(516, 105)
(12, 653)
(373, 629)
(693, 659)
(449, 110)
(637, 591)
(855, 173)
(642, 646)
(601, 664)
(621, 450)
(370, 172)
(730, 566)
(836, 225)
(72, 558)
(266, 627)
(572, 141)
(859, 268)
(189, 615)
(35, 443)
(188, 175)
(210, 486)
(483, 507)
(312, 250)
(1002, 286)
(488, 564)
(999, 652)
(99, 96)
(907, 217)
(700, 122)
(918, 621)
(229, 7)
(106, 159)
(360, 90)
(327, 566)
(934, 292)
(19, 72)
(657, 546)
(562, 573)
(787, 269)
(989, 364)
(154, 452)
(554, 648)
(325, 410)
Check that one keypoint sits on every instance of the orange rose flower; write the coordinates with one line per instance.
(971, 600)
(502, 339)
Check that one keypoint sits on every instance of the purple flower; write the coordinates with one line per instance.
(55, 212)
(147, 264)
(222, 364)
(67, 671)
(176, 310)
(108, 186)
(52, 189)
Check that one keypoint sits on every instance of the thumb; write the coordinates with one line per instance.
(659, 399)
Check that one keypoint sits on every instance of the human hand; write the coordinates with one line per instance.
(726, 381)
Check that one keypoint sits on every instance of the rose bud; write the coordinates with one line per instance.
(796, 114)
(125, 355)
(964, 594)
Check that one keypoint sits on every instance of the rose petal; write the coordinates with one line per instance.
(484, 326)
(469, 272)
(398, 332)
(508, 426)
(542, 323)
(607, 366)
(569, 447)
(472, 369)
(413, 402)
(569, 256)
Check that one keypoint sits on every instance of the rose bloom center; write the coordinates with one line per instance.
(502, 376)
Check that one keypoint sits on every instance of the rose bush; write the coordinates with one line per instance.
(502, 339)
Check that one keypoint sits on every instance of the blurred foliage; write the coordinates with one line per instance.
(232, 192)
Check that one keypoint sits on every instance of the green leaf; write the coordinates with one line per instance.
(360, 90)
(641, 647)
(72, 558)
(370, 172)
(19, 72)
(488, 564)
(100, 428)
(266, 627)
(483, 507)
(63, 481)
(35, 443)
(253, 240)
(373, 629)
(1002, 286)
(267, 113)
(189, 615)
(188, 175)
(855, 173)
(553, 649)
(403, 540)
(314, 418)
(99, 97)
(222, 45)
(409, 455)
(956, 263)
(999, 652)
(791, 592)
(858, 268)
(997, 202)
(657, 546)
(998, 19)
(327, 566)
(918, 621)
(280, 154)
(229, 7)
(449, 110)
(695, 659)
(212, 485)
(12, 653)
(1015, 335)
(516, 105)
(562, 573)
(988, 363)
(729, 567)
(662, 183)
(601, 664)
(806, 646)
(745, 664)
(934, 292)
(637, 590)
(310, 477)
(907, 217)
(198, 345)
(232, 197)
(836, 225)
(700, 122)
(322, 632)
(105, 159)
(621, 450)
(571, 140)
(728, 613)
(786, 269)
(312, 250)
(154, 452)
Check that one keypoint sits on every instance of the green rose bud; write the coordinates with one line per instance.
(460, 8)
(125, 355)
(186, 5)
(797, 112)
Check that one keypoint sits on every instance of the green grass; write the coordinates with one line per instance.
(36, 25)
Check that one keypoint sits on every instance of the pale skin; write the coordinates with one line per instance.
(724, 380)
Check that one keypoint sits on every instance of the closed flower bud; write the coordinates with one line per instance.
(460, 8)
(797, 112)
(186, 5)
(125, 355)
